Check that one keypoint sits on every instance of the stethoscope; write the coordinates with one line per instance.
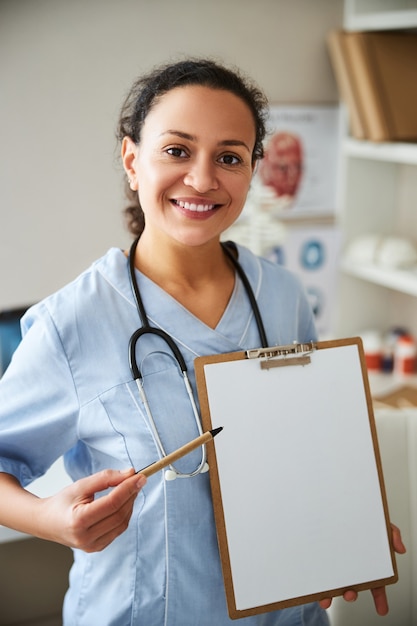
(229, 249)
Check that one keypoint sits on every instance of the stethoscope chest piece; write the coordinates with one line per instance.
(172, 474)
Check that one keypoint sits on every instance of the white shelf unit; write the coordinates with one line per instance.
(377, 196)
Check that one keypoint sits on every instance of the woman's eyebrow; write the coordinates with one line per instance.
(234, 142)
(225, 142)
(179, 133)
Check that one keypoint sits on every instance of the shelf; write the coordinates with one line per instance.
(380, 14)
(381, 383)
(390, 152)
(399, 280)
(384, 21)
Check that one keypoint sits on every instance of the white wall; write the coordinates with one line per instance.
(65, 66)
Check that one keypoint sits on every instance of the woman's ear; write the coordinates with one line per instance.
(129, 153)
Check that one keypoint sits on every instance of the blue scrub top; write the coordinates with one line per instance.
(69, 390)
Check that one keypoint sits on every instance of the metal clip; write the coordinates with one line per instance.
(281, 356)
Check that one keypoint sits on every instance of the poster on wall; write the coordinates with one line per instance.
(312, 253)
(298, 175)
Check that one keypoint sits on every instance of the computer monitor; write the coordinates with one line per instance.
(10, 335)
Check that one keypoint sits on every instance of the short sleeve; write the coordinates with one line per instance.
(38, 401)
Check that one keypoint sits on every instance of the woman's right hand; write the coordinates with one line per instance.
(74, 517)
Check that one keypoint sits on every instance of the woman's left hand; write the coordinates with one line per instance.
(379, 594)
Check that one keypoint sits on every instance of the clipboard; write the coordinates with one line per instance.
(296, 478)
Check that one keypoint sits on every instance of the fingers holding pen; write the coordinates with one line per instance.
(124, 486)
(91, 523)
(107, 517)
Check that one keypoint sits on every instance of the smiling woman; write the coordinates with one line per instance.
(148, 89)
(192, 182)
(191, 134)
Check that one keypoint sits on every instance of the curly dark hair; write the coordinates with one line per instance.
(147, 89)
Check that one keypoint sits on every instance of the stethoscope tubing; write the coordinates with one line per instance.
(229, 249)
(228, 246)
(151, 330)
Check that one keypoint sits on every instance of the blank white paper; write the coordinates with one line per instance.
(299, 481)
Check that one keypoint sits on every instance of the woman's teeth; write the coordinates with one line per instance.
(191, 206)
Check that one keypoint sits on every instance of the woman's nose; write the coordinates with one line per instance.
(201, 175)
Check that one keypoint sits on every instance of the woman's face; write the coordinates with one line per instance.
(193, 165)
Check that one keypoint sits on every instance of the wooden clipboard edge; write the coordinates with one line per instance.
(235, 613)
(219, 517)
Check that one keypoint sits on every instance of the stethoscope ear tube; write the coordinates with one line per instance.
(134, 285)
(229, 248)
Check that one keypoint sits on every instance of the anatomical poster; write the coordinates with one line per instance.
(298, 175)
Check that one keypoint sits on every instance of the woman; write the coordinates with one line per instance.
(146, 552)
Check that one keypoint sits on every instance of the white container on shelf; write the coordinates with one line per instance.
(405, 356)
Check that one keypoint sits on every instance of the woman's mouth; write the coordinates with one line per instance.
(196, 207)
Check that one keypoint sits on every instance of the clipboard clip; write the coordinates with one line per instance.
(283, 356)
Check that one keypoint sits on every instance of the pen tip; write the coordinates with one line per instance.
(215, 431)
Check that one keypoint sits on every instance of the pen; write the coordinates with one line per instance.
(177, 454)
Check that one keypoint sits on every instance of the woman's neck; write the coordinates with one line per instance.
(201, 278)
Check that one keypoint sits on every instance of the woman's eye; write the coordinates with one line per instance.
(230, 159)
(177, 152)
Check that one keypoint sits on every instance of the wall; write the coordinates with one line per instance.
(65, 66)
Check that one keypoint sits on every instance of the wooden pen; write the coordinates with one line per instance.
(180, 452)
